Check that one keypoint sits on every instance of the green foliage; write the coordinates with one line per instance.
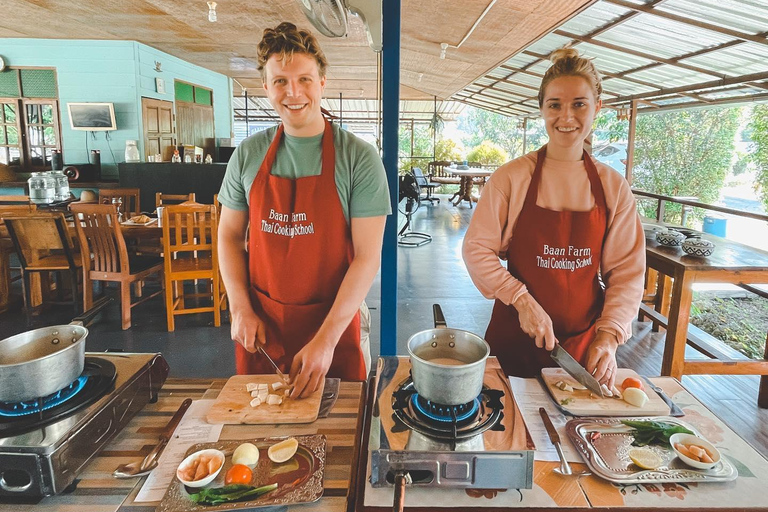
(758, 128)
(449, 150)
(505, 131)
(685, 153)
(422, 146)
(488, 153)
(608, 128)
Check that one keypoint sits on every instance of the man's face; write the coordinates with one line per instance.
(295, 88)
(568, 110)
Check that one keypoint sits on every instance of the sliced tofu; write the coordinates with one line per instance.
(277, 385)
(274, 399)
(256, 402)
(263, 385)
(251, 386)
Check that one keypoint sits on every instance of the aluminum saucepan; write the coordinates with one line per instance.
(447, 365)
(38, 363)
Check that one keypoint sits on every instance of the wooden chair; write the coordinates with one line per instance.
(171, 199)
(190, 252)
(105, 257)
(11, 204)
(43, 245)
(129, 197)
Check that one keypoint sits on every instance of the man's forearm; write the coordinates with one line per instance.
(233, 262)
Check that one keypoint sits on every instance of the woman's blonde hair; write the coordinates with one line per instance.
(567, 62)
(285, 40)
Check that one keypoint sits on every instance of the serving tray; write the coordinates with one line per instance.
(302, 484)
(608, 455)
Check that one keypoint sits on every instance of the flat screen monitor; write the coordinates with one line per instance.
(92, 117)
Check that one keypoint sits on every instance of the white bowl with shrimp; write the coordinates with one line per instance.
(707, 458)
(213, 460)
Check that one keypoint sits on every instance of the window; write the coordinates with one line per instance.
(29, 122)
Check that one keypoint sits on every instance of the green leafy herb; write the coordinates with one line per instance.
(229, 493)
(653, 432)
(566, 401)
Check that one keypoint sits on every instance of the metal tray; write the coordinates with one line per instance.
(608, 456)
(304, 484)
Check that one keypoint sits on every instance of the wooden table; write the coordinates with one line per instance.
(731, 263)
(467, 177)
(98, 491)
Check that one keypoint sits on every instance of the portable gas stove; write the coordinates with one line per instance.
(45, 443)
(482, 444)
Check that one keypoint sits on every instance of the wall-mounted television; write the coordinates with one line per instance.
(92, 117)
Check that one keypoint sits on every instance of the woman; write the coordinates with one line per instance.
(564, 223)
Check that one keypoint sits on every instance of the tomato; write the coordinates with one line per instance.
(632, 382)
(239, 474)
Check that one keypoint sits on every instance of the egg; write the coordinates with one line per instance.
(246, 454)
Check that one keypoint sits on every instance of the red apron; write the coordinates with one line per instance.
(557, 255)
(299, 250)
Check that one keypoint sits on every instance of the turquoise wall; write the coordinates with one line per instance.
(120, 72)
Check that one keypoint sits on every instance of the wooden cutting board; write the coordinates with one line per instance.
(582, 405)
(233, 404)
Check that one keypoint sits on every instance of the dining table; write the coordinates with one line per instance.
(731, 263)
(467, 177)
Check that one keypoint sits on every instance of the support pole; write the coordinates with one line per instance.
(631, 142)
(390, 120)
(525, 134)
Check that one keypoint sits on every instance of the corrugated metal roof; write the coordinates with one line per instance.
(669, 53)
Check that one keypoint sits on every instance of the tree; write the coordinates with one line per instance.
(448, 150)
(685, 153)
(758, 128)
(609, 128)
(422, 146)
(488, 153)
(505, 131)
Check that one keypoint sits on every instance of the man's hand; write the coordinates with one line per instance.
(601, 358)
(310, 366)
(535, 322)
(247, 328)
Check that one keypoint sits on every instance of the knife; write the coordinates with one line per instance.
(555, 438)
(674, 410)
(277, 370)
(575, 370)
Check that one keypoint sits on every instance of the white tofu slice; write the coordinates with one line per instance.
(256, 402)
(263, 385)
(277, 385)
(251, 386)
(274, 400)
(254, 393)
(263, 394)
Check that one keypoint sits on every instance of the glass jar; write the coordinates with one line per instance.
(42, 188)
(118, 202)
(62, 185)
(132, 151)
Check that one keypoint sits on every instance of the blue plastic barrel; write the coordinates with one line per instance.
(715, 225)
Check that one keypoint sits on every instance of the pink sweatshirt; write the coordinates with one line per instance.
(564, 187)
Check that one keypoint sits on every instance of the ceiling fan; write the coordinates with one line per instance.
(330, 17)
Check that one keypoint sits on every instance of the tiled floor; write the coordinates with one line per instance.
(433, 273)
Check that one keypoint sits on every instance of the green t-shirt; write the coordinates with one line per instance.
(360, 177)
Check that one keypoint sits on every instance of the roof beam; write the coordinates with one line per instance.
(755, 38)
(752, 98)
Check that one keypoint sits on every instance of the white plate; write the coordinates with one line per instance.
(131, 223)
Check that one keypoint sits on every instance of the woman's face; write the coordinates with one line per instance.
(569, 108)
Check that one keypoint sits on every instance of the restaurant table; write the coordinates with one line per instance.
(98, 491)
(552, 492)
(731, 263)
(467, 177)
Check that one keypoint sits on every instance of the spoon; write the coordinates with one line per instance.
(565, 468)
(149, 463)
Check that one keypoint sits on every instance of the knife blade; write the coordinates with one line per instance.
(565, 361)
(277, 370)
(674, 410)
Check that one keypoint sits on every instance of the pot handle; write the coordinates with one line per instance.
(437, 313)
(86, 316)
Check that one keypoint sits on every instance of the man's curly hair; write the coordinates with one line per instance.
(285, 40)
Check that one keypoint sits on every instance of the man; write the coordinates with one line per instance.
(316, 199)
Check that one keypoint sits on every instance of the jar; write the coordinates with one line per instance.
(132, 151)
(42, 188)
(62, 185)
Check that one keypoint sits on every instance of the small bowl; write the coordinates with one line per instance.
(698, 247)
(203, 481)
(688, 439)
(670, 238)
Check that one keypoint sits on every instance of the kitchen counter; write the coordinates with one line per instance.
(98, 491)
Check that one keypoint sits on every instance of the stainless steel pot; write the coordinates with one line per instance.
(448, 384)
(37, 363)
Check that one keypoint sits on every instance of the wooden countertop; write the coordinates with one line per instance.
(98, 491)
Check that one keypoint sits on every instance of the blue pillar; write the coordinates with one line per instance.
(390, 119)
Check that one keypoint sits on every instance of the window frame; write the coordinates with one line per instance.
(17, 125)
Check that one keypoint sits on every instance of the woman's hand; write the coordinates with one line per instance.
(601, 358)
(535, 322)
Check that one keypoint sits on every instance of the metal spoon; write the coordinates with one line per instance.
(565, 468)
(149, 463)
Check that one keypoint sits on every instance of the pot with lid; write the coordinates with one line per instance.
(447, 365)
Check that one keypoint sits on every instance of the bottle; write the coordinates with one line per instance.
(187, 158)
(176, 159)
(208, 159)
(118, 201)
(132, 151)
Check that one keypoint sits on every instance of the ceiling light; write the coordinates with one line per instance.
(443, 47)
(212, 12)
(421, 75)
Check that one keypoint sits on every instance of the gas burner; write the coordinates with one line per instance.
(97, 378)
(445, 422)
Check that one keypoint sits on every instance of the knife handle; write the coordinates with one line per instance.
(171, 427)
(551, 431)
